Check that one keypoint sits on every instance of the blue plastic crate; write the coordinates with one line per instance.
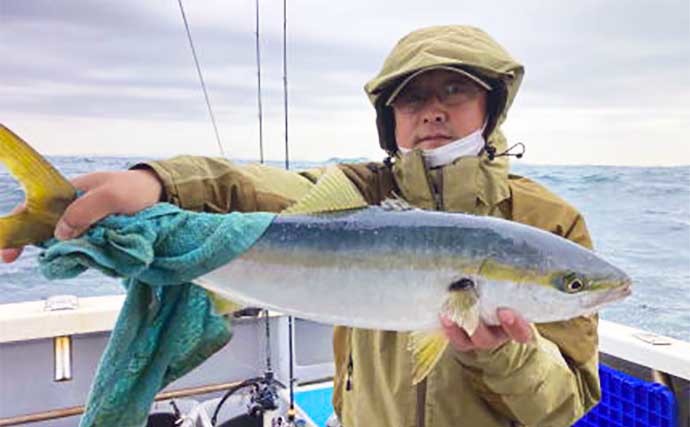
(626, 402)
(316, 403)
(630, 402)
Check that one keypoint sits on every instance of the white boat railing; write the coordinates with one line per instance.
(658, 352)
(30, 322)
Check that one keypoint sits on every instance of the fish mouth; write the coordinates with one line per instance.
(616, 294)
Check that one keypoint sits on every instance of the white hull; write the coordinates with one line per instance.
(27, 364)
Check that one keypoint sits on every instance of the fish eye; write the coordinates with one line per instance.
(574, 285)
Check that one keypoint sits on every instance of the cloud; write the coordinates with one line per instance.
(602, 71)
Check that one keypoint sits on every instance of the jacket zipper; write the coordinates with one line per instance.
(421, 403)
(436, 179)
(350, 368)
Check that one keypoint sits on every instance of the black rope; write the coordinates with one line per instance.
(230, 392)
(268, 341)
(201, 78)
(258, 79)
(291, 411)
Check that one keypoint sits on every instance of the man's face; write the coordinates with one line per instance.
(436, 108)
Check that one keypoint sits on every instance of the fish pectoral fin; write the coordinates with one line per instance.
(462, 307)
(332, 192)
(48, 193)
(427, 347)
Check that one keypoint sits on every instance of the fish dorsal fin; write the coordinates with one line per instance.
(332, 192)
(48, 193)
(427, 347)
(396, 203)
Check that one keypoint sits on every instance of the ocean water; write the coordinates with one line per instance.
(639, 219)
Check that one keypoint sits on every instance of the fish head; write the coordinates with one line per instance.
(583, 277)
(560, 288)
(591, 286)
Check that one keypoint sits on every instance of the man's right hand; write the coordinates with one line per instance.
(105, 193)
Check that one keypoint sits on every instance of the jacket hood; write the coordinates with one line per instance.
(468, 48)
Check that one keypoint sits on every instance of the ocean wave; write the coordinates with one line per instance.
(639, 218)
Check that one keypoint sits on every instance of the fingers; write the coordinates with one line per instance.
(517, 328)
(484, 337)
(457, 336)
(488, 337)
(105, 193)
(82, 213)
(11, 254)
(89, 181)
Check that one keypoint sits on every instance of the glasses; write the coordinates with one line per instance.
(413, 98)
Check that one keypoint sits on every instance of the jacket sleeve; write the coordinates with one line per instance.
(219, 185)
(551, 381)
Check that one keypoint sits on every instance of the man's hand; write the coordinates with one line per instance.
(105, 193)
(512, 327)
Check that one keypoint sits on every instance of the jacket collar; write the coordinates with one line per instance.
(472, 184)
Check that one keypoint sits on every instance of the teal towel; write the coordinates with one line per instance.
(167, 325)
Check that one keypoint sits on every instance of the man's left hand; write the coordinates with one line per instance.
(488, 337)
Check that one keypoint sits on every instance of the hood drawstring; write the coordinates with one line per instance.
(491, 151)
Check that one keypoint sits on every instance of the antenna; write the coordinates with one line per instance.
(201, 78)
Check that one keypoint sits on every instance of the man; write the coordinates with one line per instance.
(440, 98)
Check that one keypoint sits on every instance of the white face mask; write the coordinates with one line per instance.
(470, 145)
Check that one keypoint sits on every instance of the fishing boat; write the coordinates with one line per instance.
(49, 351)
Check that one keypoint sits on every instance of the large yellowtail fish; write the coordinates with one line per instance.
(333, 259)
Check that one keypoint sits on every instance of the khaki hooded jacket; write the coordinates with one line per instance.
(551, 381)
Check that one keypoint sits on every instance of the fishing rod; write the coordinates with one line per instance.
(264, 394)
(291, 411)
(258, 86)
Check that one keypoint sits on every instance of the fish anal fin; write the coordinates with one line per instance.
(332, 192)
(426, 347)
(48, 193)
(222, 305)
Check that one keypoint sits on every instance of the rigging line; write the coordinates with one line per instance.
(201, 78)
(291, 337)
(258, 78)
(285, 84)
(267, 332)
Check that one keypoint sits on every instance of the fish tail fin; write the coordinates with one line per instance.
(427, 347)
(48, 193)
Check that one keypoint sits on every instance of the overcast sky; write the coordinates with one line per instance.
(607, 82)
